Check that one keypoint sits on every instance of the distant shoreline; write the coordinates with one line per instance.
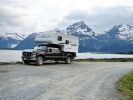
(9, 49)
(105, 60)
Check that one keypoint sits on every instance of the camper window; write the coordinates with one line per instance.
(67, 41)
(59, 38)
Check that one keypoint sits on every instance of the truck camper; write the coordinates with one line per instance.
(55, 46)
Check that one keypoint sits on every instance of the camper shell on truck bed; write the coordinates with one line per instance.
(52, 46)
(69, 43)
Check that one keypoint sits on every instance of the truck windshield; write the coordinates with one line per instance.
(41, 47)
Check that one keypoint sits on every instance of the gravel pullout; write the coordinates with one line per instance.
(76, 81)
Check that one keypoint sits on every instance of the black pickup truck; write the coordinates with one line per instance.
(44, 52)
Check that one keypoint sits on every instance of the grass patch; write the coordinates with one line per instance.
(106, 60)
(125, 86)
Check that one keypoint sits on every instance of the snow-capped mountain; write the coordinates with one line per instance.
(16, 36)
(118, 39)
(28, 42)
(10, 40)
(119, 32)
(125, 32)
(81, 30)
(85, 34)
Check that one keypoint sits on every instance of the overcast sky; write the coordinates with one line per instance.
(29, 16)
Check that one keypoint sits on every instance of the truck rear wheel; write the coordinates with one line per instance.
(39, 61)
(68, 60)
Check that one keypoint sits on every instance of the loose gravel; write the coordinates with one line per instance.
(76, 81)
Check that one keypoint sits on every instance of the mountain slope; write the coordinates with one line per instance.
(10, 40)
(28, 42)
(119, 32)
(81, 30)
(87, 37)
(118, 39)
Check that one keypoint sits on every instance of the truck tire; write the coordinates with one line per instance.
(56, 62)
(39, 60)
(26, 62)
(68, 60)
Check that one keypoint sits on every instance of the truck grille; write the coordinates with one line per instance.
(26, 54)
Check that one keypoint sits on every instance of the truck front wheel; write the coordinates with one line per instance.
(39, 61)
(26, 62)
(68, 60)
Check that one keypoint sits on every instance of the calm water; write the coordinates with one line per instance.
(15, 55)
(10, 55)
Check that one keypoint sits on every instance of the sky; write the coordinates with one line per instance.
(28, 16)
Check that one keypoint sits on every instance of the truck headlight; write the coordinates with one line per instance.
(33, 54)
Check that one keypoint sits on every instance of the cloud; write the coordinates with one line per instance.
(14, 18)
(39, 15)
(27, 16)
(100, 19)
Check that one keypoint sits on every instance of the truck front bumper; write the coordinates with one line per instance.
(29, 58)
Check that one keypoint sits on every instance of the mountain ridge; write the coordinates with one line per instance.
(118, 39)
(80, 29)
(10, 40)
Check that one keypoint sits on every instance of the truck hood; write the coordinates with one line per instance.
(29, 50)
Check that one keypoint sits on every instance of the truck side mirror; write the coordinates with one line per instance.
(67, 41)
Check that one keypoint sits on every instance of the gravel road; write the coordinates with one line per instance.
(76, 81)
